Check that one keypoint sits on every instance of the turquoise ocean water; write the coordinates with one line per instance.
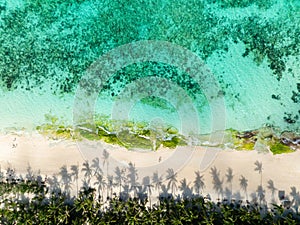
(249, 48)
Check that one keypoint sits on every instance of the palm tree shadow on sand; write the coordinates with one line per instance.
(217, 182)
(126, 183)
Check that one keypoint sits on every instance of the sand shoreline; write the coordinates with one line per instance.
(19, 150)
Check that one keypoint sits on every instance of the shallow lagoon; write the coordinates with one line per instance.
(251, 50)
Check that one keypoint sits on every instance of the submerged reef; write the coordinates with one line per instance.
(57, 41)
(136, 71)
(49, 45)
(242, 3)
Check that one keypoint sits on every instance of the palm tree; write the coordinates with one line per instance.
(145, 183)
(260, 194)
(199, 182)
(229, 178)
(165, 192)
(85, 185)
(100, 182)
(217, 182)
(272, 188)
(10, 175)
(96, 166)
(157, 180)
(105, 157)
(296, 198)
(65, 178)
(29, 174)
(54, 184)
(149, 190)
(147, 187)
(132, 176)
(110, 185)
(75, 174)
(87, 171)
(244, 185)
(120, 177)
(185, 188)
(172, 177)
(259, 168)
(1, 175)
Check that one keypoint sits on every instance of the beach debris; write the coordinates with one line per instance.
(265, 139)
(290, 139)
(14, 144)
(85, 129)
(247, 134)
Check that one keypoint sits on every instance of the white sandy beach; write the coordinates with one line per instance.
(18, 150)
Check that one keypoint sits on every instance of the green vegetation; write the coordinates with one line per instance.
(279, 148)
(132, 140)
(140, 135)
(137, 134)
(241, 143)
(54, 130)
(128, 134)
(245, 146)
(174, 142)
(35, 199)
(31, 202)
(247, 140)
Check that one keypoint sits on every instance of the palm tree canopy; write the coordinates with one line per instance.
(132, 174)
(229, 175)
(96, 165)
(75, 171)
(105, 156)
(258, 167)
(171, 173)
(172, 177)
(183, 184)
(120, 175)
(86, 169)
(217, 182)
(199, 181)
(243, 183)
(100, 181)
(110, 181)
(156, 179)
(271, 186)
